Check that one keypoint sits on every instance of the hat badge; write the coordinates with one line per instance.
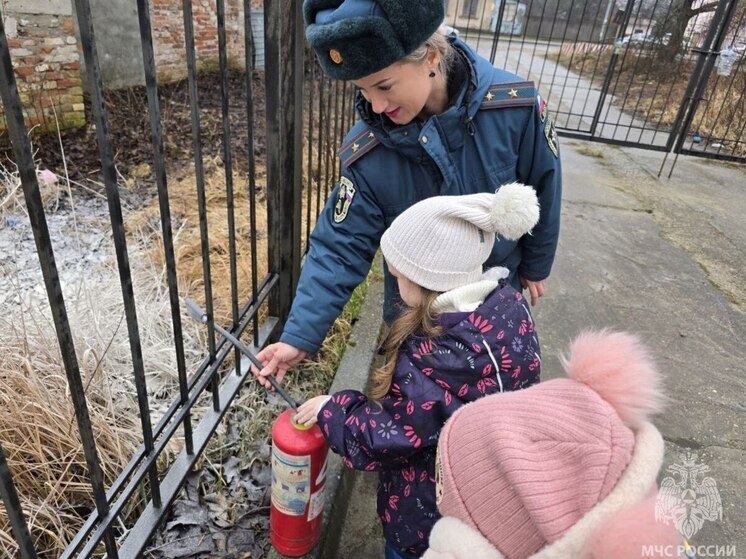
(336, 56)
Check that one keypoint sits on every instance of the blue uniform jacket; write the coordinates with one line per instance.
(493, 349)
(497, 131)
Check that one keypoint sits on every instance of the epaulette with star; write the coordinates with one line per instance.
(358, 146)
(516, 94)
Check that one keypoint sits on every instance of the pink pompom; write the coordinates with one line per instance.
(619, 368)
(634, 532)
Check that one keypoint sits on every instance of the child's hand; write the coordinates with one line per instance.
(309, 409)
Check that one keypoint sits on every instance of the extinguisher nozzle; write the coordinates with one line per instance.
(285, 396)
(194, 310)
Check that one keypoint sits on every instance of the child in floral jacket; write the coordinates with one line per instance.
(466, 333)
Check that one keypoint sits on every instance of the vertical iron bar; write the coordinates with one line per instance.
(151, 85)
(345, 124)
(309, 194)
(739, 136)
(199, 172)
(496, 38)
(551, 34)
(455, 13)
(727, 95)
(228, 166)
(353, 107)
(536, 40)
(335, 145)
(569, 64)
(718, 27)
(249, 56)
(87, 37)
(640, 53)
(696, 75)
(25, 162)
(8, 488)
(479, 26)
(593, 75)
(621, 68)
(284, 44)
(523, 42)
(562, 42)
(320, 150)
(610, 72)
(328, 134)
(656, 127)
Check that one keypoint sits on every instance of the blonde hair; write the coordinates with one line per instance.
(436, 43)
(419, 319)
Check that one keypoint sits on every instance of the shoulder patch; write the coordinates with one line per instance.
(551, 135)
(345, 194)
(516, 94)
(357, 147)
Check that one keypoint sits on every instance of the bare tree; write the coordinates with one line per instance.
(672, 30)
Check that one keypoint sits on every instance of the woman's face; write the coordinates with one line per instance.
(410, 292)
(402, 90)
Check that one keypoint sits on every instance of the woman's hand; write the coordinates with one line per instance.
(277, 359)
(309, 410)
(535, 289)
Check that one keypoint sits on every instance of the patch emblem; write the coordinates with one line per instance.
(336, 56)
(542, 108)
(344, 199)
(551, 135)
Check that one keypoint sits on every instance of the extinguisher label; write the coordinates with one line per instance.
(317, 503)
(291, 482)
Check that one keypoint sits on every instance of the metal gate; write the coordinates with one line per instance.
(666, 75)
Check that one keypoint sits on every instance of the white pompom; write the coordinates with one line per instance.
(515, 210)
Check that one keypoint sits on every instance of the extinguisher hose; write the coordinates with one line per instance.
(198, 314)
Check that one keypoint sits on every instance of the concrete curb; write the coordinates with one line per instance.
(351, 375)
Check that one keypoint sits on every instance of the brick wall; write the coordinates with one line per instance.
(168, 35)
(45, 56)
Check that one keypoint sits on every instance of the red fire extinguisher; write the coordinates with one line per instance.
(298, 481)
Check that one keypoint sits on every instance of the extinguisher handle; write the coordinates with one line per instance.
(198, 314)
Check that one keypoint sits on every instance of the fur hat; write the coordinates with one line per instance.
(355, 38)
(565, 468)
(441, 243)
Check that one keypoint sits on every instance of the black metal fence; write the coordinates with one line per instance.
(666, 75)
(302, 106)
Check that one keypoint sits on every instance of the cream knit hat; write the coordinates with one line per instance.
(441, 243)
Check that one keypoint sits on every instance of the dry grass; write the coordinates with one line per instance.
(37, 421)
(188, 242)
(40, 435)
(586, 149)
(11, 192)
(655, 91)
(37, 425)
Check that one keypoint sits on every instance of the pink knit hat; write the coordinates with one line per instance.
(522, 468)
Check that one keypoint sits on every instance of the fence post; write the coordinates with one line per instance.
(284, 44)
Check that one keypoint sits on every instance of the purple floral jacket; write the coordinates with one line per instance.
(491, 349)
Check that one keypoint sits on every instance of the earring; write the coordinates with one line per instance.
(431, 74)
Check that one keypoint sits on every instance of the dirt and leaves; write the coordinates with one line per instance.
(129, 126)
